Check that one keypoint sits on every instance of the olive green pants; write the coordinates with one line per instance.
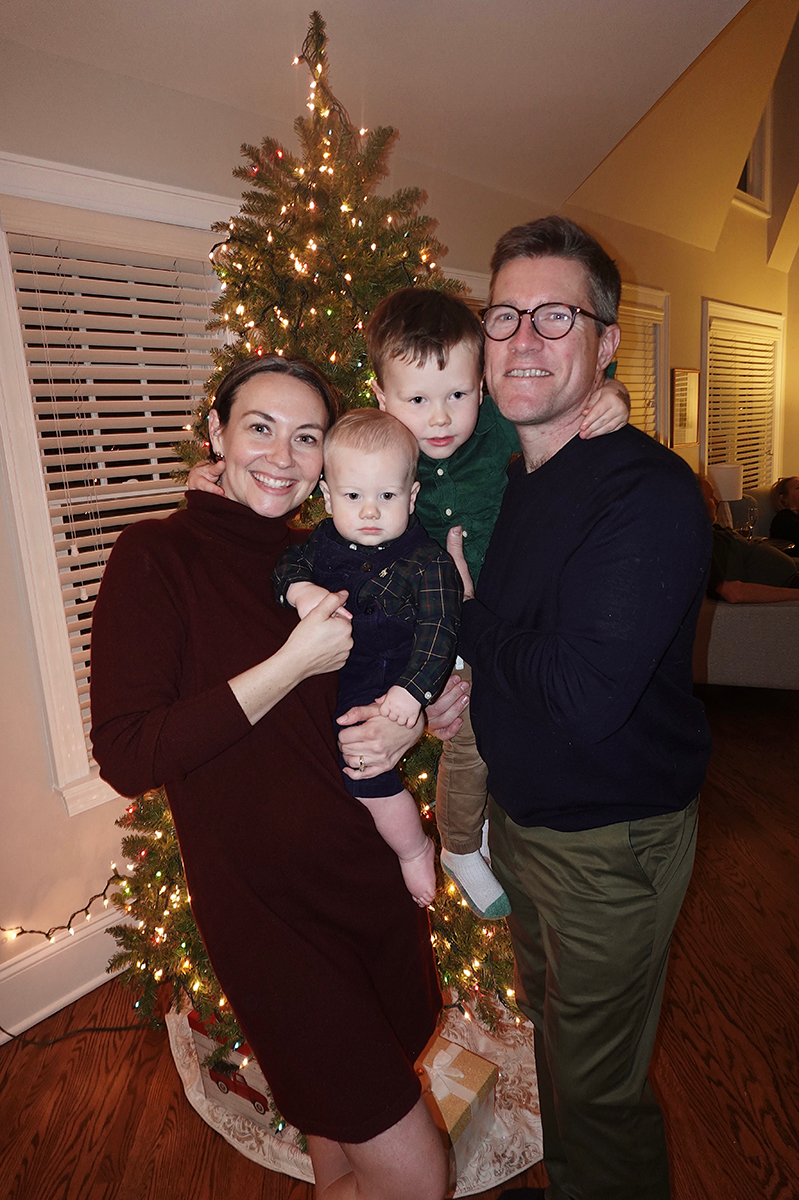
(593, 913)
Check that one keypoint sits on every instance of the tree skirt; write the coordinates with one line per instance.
(514, 1143)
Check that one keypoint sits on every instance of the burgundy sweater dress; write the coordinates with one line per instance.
(318, 946)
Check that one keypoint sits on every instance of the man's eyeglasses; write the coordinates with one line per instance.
(550, 321)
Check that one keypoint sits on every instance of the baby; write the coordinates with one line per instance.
(404, 602)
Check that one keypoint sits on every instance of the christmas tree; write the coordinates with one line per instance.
(311, 252)
(314, 247)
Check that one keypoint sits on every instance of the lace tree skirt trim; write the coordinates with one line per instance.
(513, 1145)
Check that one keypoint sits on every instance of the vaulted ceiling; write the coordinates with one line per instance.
(526, 98)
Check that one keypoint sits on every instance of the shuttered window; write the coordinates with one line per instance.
(743, 364)
(641, 358)
(117, 354)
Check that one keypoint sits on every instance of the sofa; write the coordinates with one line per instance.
(749, 645)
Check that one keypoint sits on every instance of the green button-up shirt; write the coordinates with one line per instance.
(467, 488)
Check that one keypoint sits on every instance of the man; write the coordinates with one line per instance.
(743, 571)
(580, 640)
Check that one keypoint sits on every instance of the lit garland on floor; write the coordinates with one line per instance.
(313, 248)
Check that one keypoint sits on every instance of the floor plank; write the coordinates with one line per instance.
(103, 1116)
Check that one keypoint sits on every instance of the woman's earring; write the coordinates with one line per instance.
(218, 456)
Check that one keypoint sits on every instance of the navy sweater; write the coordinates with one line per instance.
(581, 633)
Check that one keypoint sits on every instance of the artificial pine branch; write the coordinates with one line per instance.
(314, 248)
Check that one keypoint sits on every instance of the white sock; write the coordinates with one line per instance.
(478, 885)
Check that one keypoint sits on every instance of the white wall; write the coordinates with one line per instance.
(50, 863)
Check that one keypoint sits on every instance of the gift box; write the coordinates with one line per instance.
(459, 1091)
(237, 1084)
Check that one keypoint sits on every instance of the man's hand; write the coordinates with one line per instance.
(399, 705)
(606, 409)
(205, 477)
(455, 551)
(443, 716)
(305, 596)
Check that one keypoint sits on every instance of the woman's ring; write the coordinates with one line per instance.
(361, 763)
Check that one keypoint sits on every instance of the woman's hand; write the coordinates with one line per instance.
(372, 744)
(455, 551)
(319, 644)
(204, 477)
(443, 716)
(322, 641)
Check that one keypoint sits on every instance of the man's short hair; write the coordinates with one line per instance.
(557, 237)
(417, 324)
(370, 430)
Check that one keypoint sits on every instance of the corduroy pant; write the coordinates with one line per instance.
(461, 790)
(593, 914)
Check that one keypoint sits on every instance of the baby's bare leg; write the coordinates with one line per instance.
(399, 824)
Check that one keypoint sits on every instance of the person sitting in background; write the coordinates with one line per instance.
(742, 571)
(785, 500)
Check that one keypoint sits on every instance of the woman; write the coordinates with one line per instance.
(202, 683)
(785, 501)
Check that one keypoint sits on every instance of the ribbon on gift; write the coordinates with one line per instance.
(444, 1078)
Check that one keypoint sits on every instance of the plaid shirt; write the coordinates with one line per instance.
(411, 578)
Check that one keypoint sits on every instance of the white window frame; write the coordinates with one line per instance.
(651, 305)
(90, 206)
(757, 197)
(772, 325)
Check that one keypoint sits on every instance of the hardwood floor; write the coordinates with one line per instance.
(103, 1117)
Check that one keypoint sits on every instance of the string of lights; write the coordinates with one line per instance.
(16, 931)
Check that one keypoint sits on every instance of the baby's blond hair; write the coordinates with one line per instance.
(370, 430)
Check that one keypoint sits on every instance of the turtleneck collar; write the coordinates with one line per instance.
(237, 524)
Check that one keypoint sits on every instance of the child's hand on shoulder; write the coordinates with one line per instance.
(399, 705)
(607, 409)
(204, 477)
(305, 596)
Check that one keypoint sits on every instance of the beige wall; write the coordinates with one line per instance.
(49, 862)
(790, 457)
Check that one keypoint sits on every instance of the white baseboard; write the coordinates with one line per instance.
(40, 981)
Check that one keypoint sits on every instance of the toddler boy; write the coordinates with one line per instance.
(404, 596)
(426, 349)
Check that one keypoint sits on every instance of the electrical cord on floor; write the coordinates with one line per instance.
(26, 1041)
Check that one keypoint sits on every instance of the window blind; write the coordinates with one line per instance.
(742, 379)
(638, 359)
(117, 354)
